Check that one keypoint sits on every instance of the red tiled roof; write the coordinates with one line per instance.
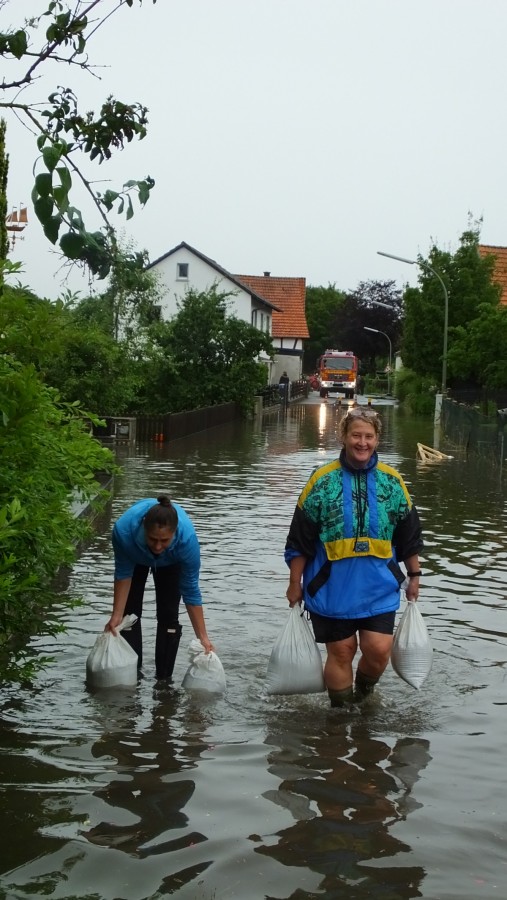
(289, 295)
(500, 272)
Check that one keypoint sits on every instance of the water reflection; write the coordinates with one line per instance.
(148, 794)
(144, 802)
(345, 790)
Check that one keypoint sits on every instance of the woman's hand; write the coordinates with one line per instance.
(113, 623)
(412, 591)
(208, 646)
(294, 593)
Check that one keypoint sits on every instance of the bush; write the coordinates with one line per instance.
(48, 457)
(416, 392)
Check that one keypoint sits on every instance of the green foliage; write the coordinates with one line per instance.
(66, 137)
(336, 319)
(72, 345)
(479, 350)
(133, 294)
(204, 357)
(322, 305)
(472, 299)
(360, 310)
(416, 392)
(48, 459)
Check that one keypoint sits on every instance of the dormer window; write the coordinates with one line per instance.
(182, 271)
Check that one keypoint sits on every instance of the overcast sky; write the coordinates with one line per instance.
(296, 136)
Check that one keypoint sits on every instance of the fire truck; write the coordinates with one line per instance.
(337, 373)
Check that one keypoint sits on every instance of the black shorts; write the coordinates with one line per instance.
(327, 630)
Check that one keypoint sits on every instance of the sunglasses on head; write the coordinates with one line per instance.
(360, 413)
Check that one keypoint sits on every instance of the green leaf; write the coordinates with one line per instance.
(72, 245)
(18, 44)
(61, 198)
(51, 156)
(65, 177)
(52, 227)
(43, 207)
(44, 184)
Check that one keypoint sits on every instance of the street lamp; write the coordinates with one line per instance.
(424, 265)
(377, 331)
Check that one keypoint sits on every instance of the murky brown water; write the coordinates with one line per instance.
(152, 792)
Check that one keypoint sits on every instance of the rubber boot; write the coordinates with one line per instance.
(134, 638)
(364, 686)
(166, 648)
(341, 698)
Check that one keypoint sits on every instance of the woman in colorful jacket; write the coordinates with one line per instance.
(354, 522)
(157, 534)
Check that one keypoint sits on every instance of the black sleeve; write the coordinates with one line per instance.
(303, 535)
(407, 537)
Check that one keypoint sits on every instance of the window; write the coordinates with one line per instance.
(254, 318)
(182, 271)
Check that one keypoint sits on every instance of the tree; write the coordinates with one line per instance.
(322, 304)
(360, 309)
(66, 138)
(204, 356)
(69, 351)
(479, 352)
(469, 281)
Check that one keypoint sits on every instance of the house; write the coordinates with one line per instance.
(289, 328)
(274, 305)
(500, 271)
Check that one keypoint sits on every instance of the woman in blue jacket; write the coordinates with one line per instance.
(354, 522)
(157, 534)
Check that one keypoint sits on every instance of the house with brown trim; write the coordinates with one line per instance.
(500, 272)
(274, 305)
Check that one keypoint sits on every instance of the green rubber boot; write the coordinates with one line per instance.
(341, 698)
(364, 686)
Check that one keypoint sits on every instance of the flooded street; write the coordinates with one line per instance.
(148, 792)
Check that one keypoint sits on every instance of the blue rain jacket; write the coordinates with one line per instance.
(130, 549)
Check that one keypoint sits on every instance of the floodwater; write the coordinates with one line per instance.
(151, 792)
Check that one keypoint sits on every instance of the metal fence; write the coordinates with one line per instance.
(482, 398)
(167, 427)
(274, 395)
(469, 428)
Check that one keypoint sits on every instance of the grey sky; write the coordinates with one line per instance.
(297, 136)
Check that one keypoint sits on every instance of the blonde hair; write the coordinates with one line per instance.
(366, 414)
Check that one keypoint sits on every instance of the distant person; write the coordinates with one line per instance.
(157, 535)
(283, 386)
(353, 523)
(360, 384)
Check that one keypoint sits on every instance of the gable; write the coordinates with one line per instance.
(500, 271)
(184, 251)
(288, 295)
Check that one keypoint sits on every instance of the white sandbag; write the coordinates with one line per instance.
(111, 661)
(295, 664)
(412, 653)
(205, 672)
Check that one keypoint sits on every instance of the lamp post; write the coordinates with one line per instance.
(377, 331)
(424, 265)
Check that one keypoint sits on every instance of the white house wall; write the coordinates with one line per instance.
(201, 277)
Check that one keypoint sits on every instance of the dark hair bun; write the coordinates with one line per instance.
(164, 500)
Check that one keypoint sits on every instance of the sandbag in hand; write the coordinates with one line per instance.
(111, 661)
(205, 672)
(412, 653)
(295, 664)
